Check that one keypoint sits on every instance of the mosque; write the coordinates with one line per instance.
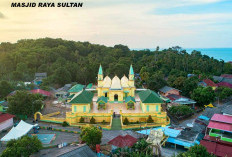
(116, 90)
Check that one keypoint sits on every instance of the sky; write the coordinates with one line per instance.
(135, 23)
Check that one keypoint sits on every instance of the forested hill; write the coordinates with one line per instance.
(70, 61)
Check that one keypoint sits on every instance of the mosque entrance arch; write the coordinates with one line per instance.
(116, 97)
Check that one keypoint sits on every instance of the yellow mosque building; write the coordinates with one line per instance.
(116, 90)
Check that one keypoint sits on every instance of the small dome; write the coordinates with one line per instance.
(107, 82)
(116, 83)
(124, 81)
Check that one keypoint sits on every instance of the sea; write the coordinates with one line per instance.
(217, 53)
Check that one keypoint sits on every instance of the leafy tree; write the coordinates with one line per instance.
(189, 85)
(140, 149)
(156, 82)
(62, 76)
(5, 89)
(25, 146)
(25, 103)
(91, 135)
(179, 111)
(223, 92)
(196, 151)
(203, 95)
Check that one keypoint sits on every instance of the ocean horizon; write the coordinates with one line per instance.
(217, 53)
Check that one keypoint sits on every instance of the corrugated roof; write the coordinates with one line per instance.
(227, 109)
(123, 141)
(84, 97)
(220, 126)
(83, 151)
(5, 116)
(222, 118)
(224, 84)
(210, 83)
(217, 149)
(102, 99)
(165, 89)
(148, 96)
(77, 88)
(129, 99)
(40, 91)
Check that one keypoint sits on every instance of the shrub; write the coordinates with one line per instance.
(150, 120)
(92, 121)
(64, 124)
(82, 120)
(103, 122)
(126, 121)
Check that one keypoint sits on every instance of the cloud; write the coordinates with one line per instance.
(2, 16)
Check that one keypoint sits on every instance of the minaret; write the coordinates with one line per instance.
(100, 77)
(131, 77)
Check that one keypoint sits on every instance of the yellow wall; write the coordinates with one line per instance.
(152, 107)
(74, 118)
(159, 118)
(80, 108)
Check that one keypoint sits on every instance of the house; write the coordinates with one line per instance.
(39, 77)
(6, 121)
(150, 101)
(224, 84)
(207, 83)
(81, 102)
(218, 137)
(80, 150)
(40, 91)
(166, 90)
(122, 141)
(76, 89)
(224, 78)
(63, 91)
(220, 126)
(181, 100)
(227, 110)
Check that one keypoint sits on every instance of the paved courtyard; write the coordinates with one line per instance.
(116, 107)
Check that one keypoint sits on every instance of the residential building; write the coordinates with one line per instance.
(207, 83)
(6, 121)
(166, 90)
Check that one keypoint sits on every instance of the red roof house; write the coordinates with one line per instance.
(210, 83)
(224, 84)
(217, 148)
(6, 121)
(123, 141)
(226, 75)
(40, 91)
(222, 118)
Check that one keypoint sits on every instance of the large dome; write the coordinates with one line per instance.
(107, 82)
(116, 83)
(124, 81)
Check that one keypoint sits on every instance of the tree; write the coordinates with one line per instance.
(91, 135)
(150, 120)
(5, 89)
(92, 121)
(25, 146)
(140, 149)
(196, 151)
(62, 76)
(223, 92)
(126, 121)
(24, 103)
(189, 85)
(179, 111)
(156, 81)
(203, 95)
